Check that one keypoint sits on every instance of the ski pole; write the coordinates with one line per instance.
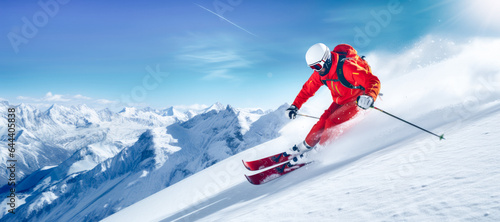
(441, 137)
(307, 116)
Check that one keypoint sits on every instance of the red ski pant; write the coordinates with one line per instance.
(333, 116)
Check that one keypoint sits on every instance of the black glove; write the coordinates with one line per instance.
(292, 111)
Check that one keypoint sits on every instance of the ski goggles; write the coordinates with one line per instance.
(325, 62)
(318, 66)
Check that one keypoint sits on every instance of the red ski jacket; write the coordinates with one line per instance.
(353, 73)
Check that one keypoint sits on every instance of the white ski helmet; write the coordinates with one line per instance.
(317, 55)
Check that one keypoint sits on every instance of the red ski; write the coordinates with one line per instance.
(273, 173)
(267, 161)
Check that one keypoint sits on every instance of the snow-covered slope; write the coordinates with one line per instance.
(380, 169)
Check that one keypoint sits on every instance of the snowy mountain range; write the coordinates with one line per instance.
(77, 163)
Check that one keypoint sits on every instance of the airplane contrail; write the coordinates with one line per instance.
(227, 20)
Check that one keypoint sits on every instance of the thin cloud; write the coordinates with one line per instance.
(216, 56)
(218, 74)
(25, 98)
(217, 64)
(81, 97)
(434, 6)
(213, 56)
(49, 97)
(106, 102)
(222, 59)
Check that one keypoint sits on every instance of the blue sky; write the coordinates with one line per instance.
(239, 52)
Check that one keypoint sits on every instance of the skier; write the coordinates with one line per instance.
(352, 85)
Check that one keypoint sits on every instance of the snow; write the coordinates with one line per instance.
(82, 165)
(46, 198)
(379, 169)
(247, 117)
(144, 173)
(47, 167)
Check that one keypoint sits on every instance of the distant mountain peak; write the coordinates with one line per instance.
(216, 106)
(4, 102)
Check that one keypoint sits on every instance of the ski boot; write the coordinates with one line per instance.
(299, 148)
(300, 153)
(299, 159)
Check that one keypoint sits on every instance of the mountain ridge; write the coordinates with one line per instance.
(162, 154)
